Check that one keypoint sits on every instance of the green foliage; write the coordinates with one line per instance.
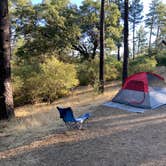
(135, 18)
(89, 18)
(46, 28)
(161, 58)
(58, 78)
(161, 8)
(142, 64)
(56, 28)
(19, 96)
(20, 75)
(88, 71)
(113, 68)
(141, 39)
(51, 80)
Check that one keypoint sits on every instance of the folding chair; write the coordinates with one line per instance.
(71, 122)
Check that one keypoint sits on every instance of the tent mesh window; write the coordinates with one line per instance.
(155, 82)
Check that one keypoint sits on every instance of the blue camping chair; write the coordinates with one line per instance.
(71, 122)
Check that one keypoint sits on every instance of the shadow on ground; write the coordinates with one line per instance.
(112, 138)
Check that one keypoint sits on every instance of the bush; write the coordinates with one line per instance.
(17, 83)
(113, 69)
(161, 58)
(52, 80)
(142, 64)
(56, 80)
(88, 71)
(21, 89)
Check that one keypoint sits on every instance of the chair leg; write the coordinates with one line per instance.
(68, 126)
(86, 123)
(80, 126)
(71, 125)
(77, 125)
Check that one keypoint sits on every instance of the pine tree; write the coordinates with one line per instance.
(126, 48)
(101, 73)
(89, 18)
(6, 97)
(141, 38)
(119, 3)
(160, 23)
(135, 18)
(151, 21)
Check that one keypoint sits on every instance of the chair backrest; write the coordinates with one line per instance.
(66, 114)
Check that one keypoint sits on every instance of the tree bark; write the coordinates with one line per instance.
(101, 72)
(150, 37)
(126, 49)
(118, 54)
(133, 40)
(157, 37)
(119, 41)
(138, 51)
(95, 45)
(6, 97)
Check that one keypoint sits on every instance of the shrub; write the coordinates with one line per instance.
(88, 71)
(142, 64)
(50, 80)
(21, 89)
(55, 80)
(161, 58)
(113, 68)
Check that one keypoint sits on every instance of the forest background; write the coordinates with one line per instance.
(55, 44)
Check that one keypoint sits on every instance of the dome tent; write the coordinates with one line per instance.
(144, 90)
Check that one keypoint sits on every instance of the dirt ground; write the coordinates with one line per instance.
(112, 137)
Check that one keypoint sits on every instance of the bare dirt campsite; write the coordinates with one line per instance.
(112, 137)
(94, 57)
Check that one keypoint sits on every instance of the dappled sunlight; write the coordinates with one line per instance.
(32, 109)
(112, 117)
(37, 127)
(59, 54)
(128, 118)
(72, 101)
(91, 133)
(140, 119)
(139, 122)
(38, 121)
(45, 117)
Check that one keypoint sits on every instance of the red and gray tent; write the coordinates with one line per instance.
(145, 90)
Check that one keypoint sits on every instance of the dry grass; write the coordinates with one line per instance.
(37, 133)
(35, 121)
(44, 117)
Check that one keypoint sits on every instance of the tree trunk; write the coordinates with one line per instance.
(157, 37)
(138, 51)
(95, 45)
(133, 40)
(101, 72)
(6, 97)
(126, 49)
(150, 37)
(118, 55)
(119, 41)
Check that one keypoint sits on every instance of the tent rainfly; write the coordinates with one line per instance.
(144, 90)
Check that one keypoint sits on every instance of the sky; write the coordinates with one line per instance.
(78, 2)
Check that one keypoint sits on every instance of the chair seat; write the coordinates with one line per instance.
(68, 117)
(83, 117)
